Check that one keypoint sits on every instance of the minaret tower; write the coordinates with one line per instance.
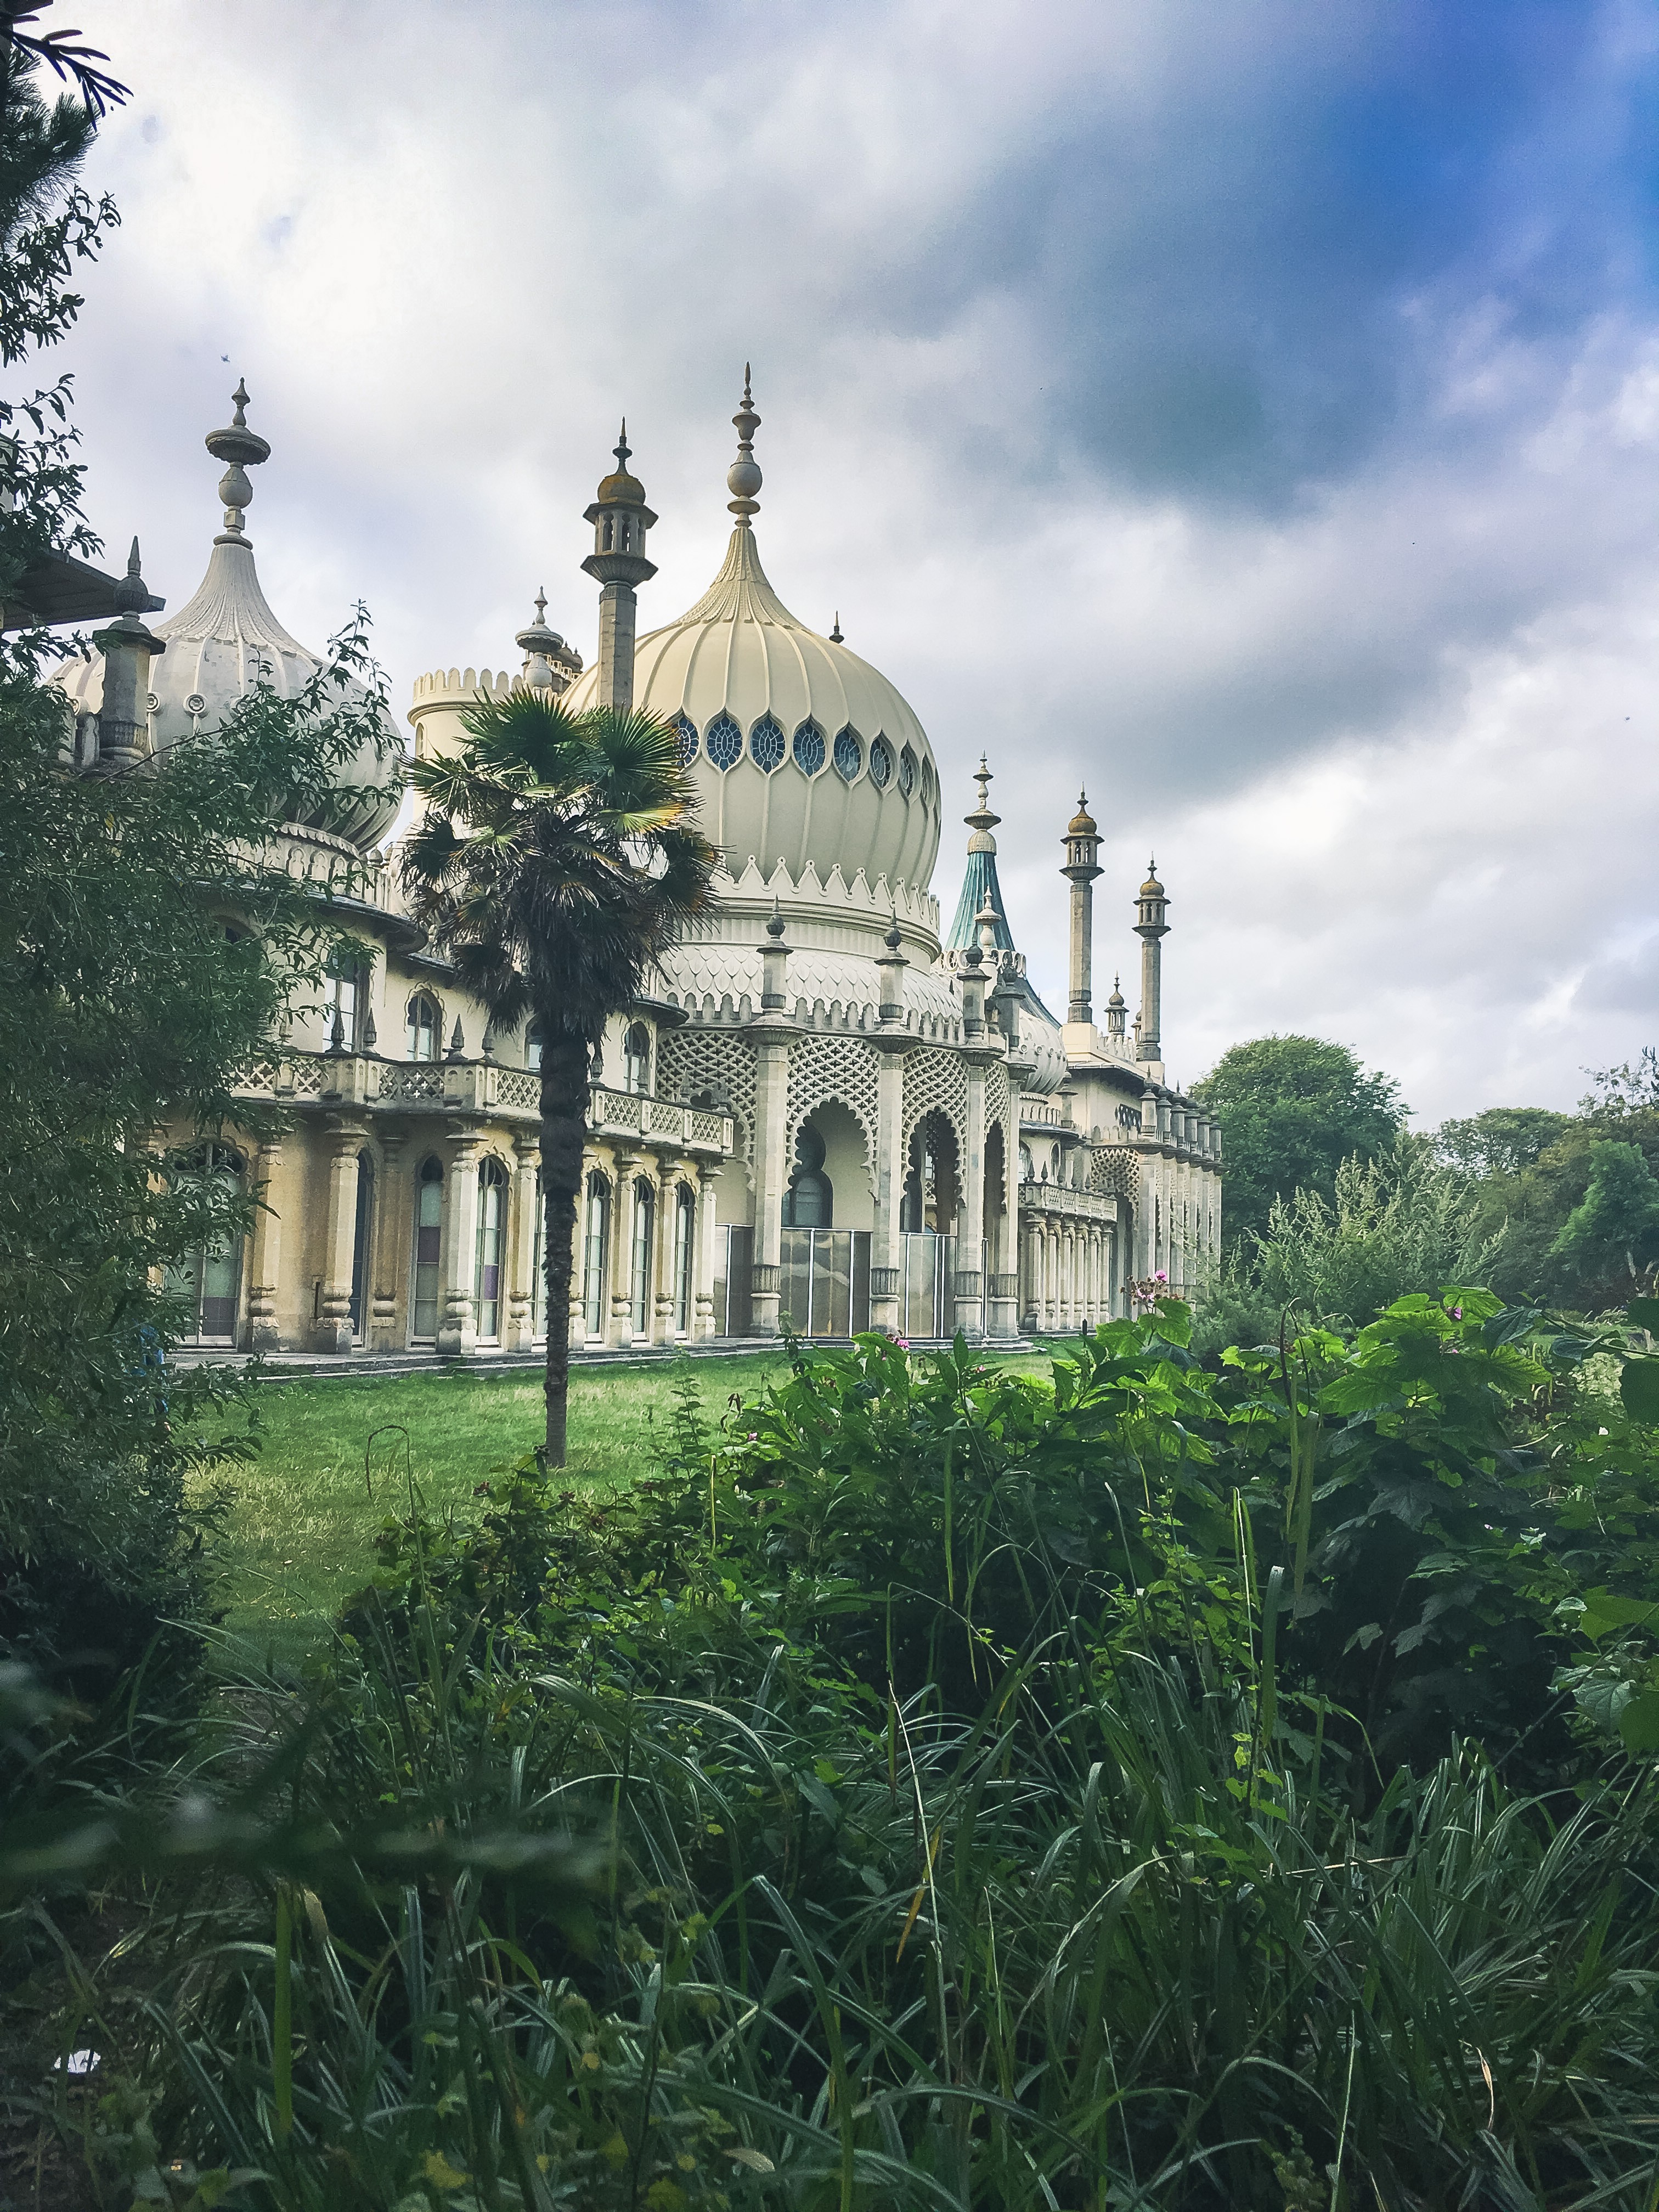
(1082, 842)
(620, 517)
(1151, 906)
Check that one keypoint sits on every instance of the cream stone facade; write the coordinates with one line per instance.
(828, 1113)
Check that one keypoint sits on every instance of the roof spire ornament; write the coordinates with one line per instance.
(241, 449)
(982, 821)
(835, 637)
(743, 478)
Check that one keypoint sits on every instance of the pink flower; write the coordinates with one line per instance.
(1161, 1276)
(754, 1436)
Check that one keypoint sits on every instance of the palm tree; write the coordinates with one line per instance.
(559, 857)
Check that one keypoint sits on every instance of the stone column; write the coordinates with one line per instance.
(457, 1325)
(970, 1286)
(772, 1033)
(886, 1244)
(332, 1331)
(703, 1314)
(266, 1268)
(668, 1222)
(620, 1333)
(520, 1254)
(394, 1222)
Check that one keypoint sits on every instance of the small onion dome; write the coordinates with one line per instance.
(619, 489)
(1116, 998)
(1151, 889)
(1081, 823)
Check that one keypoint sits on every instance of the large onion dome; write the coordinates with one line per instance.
(802, 751)
(225, 640)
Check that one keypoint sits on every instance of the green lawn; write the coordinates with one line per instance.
(300, 1530)
(301, 1526)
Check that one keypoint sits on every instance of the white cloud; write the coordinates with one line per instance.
(1247, 412)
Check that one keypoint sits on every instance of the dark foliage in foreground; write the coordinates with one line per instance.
(945, 1789)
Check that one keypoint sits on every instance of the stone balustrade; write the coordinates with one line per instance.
(470, 1087)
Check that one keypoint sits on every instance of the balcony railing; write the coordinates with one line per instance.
(363, 1080)
(1059, 1200)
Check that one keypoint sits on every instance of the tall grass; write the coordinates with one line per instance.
(1116, 1942)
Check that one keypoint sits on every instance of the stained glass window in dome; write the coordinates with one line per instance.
(725, 742)
(809, 749)
(881, 763)
(926, 783)
(766, 744)
(849, 754)
(687, 736)
(907, 772)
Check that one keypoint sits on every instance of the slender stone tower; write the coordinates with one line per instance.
(1151, 906)
(1082, 842)
(620, 517)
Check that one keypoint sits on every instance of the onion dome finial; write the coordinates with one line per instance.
(241, 449)
(743, 478)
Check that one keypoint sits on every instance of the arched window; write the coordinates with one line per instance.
(423, 1026)
(849, 754)
(637, 1060)
(208, 1280)
(533, 1047)
(429, 1247)
(1027, 1165)
(685, 1233)
(607, 534)
(596, 1061)
(881, 763)
(644, 1249)
(725, 742)
(809, 1202)
(492, 1237)
(907, 772)
(927, 783)
(687, 739)
(766, 745)
(809, 749)
(361, 1237)
(596, 1232)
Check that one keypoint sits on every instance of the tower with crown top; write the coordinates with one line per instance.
(621, 518)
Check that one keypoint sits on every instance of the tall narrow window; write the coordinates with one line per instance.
(424, 1024)
(359, 1245)
(533, 1047)
(428, 1245)
(645, 1210)
(348, 996)
(208, 1280)
(492, 1228)
(596, 1226)
(538, 1265)
(637, 1060)
(685, 1232)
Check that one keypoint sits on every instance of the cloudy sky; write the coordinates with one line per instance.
(1249, 409)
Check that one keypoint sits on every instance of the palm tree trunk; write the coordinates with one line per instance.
(564, 1124)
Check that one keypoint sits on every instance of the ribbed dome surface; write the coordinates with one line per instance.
(803, 751)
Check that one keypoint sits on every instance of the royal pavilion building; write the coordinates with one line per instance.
(828, 1114)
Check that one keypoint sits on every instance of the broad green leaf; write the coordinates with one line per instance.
(1638, 1724)
(1639, 1388)
(1643, 1313)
